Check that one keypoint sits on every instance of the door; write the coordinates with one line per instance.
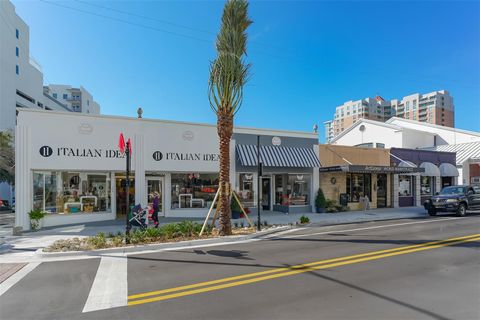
(266, 192)
(155, 184)
(447, 182)
(381, 190)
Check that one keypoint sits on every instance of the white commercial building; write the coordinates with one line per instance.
(69, 166)
(410, 134)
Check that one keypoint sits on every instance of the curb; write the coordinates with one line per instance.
(157, 246)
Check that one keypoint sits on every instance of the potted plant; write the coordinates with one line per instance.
(320, 202)
(36, 217)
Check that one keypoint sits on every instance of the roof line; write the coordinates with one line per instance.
(433, 126)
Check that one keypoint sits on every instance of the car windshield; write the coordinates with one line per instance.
(452, 190)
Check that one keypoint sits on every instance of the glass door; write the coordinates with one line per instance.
(266, 191)
(154, 187)
(381, 190)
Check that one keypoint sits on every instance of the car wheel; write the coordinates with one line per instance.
(461, 210)
(432, 212)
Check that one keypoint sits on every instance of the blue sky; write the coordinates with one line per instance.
(308, 57)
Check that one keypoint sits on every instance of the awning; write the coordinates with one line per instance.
(273, 156)
(431, 170)
(372, 169)
(448, 170)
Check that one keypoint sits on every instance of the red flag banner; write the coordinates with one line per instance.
(121, 143)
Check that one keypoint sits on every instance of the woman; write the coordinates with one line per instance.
(155, 205)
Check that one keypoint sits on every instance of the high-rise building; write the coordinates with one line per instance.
(21, 80)
(21, 77)
(435, 107)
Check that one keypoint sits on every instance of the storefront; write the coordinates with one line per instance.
(438, 171)
(290, 178)
(356, 174)
(69, 166)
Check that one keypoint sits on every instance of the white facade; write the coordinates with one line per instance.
(21, 78)
(86, 145)
(328, 131)
(444, 135)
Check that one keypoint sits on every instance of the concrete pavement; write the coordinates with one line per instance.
(436, 283)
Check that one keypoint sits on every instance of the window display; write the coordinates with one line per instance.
(245, 189)
(71, 192)
(426, 187)
(292, 189)
(358, 186)
(193, 190)
(405, 186)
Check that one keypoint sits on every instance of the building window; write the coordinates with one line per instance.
(365, 145)
(65, 96)
(359, 185)
(17, 69)
(292, 189)
(405, 186)
(193, 190)
(245, 190)
(381, 145)
(71, 192)
(426, 185)
(16, 51)
(55, 95)
(17, 33)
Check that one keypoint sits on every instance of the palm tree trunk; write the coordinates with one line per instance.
(225, 131)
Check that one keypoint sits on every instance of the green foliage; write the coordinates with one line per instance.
(188, 228)
(320, 201)
(304, 219)
(36, 214)
(332, 206)
(170, 230)
(228, 72)
(7, 157)
(234, 206)
(97, 242)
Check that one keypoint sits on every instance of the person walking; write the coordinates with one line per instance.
(155, 205)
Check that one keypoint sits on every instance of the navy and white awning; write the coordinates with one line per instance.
(273, 156)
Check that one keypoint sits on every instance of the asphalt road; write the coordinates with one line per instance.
(384, 270)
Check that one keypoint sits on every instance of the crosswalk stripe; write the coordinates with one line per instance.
(110, 287)
(16, 277)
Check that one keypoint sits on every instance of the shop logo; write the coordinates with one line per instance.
(46, 151)
(276, 141)
(157, 156)
(187, 136)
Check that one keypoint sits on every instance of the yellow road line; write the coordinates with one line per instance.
(301, 266)
(293, 272)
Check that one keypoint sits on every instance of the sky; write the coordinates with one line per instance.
(307, 56)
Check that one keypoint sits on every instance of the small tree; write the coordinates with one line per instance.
(320, 201)
(7, 158)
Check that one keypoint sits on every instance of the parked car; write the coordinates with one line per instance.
(457, 199)
(4, 205)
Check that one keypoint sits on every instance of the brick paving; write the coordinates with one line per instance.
(8, 269)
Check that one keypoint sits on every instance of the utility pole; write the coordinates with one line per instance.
(259, 164)
(127, 193)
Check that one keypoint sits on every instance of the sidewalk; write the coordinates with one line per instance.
(29, 242)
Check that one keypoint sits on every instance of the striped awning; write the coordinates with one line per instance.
(273, 156)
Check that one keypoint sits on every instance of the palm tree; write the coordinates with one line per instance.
(228, 75)
(7, 157)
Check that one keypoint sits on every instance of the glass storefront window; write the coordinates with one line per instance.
(426, 185)
(245, 190)
(405, 186)
(292, 189)
(193, 190)
(71, 192)
(359, 185)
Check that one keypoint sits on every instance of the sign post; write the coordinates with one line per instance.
(126, 149)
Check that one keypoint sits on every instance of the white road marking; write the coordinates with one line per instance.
(17, 276)
(369, 228)
(110, 287)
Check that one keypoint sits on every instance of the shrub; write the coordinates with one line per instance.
(153, 234)
(187, 228)
(97, 242)
(304, 219)
(170, 230)
(35, 217)
(320, 201)
(137, 236)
